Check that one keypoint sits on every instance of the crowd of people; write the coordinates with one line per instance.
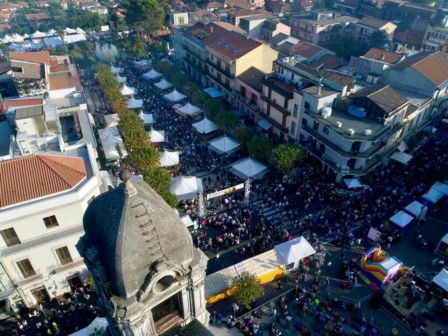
(311, 205)
(61, 317)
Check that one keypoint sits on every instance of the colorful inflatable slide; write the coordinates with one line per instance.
(377, 267)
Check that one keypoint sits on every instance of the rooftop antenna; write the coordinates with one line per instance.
(319, 87)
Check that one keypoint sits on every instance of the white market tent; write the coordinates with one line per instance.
(152, 74)
(186, 187)
(53, 41)
(248, 168)
(135, 103)
(224, 145)
(38, 34)
(187, 221)
(116, 70)
(111, 120)
(433, 196)
(416, 209)
(80, 31)
(440, 187)
(110, 138)
(353, 183)
(142, 63)
(205, 126)
(174, 96)
(148, 119)
(127, 91)
(401, 157)
(156, 136)
(70, 31)
(402, 219)
(68, 39)
(163, 84)
(98, 325)
(189, 109)
(121, 79)
(293, 251)
(441, 279)
(169, 159)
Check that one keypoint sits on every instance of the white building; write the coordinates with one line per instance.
(42, 201)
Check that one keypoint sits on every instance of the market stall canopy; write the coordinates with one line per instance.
(189, 109)
(111, 139)
(169, 159)
(156, 136)
(401, 157)
(440, 187)
(142, 63)
(293, 250)
(353, 183)
(53, 41)
(68, 39)
(112, 120)
(38, 34)
(174, 96)
(70, 31)
(163, 84)
(264, 124)
(433, 196)
(186, 187)
(224, 145)
(187, 221)
(116, 70)
(121, 79)
(135, 103)
(97, 327)
(127, 90)
(441, 279)
(148, 119)
(248, 168)
(402, 219)
(152, 74)
(205, 126)
(416, 209)
(213, 92)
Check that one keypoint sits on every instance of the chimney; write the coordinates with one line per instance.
(319, 87)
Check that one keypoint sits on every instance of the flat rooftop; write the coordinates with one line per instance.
(357, 124)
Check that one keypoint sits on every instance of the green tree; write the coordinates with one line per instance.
(260, 147)
(133, 131)
(244, 135)
(285, 157)
(226, 120)
(158, 178)
(346, 47)
(247, 289)
(146, 158)
(146, 16)
(170, 198)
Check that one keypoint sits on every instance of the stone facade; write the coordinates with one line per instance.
(148, 274)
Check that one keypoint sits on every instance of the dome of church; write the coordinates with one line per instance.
(134, 229)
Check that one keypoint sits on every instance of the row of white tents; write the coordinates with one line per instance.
(17, 38)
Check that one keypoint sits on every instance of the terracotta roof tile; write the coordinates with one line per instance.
(40, 57)
(305, 49)
(383, 55)
(65, 82)
(7, 104)
(326, 62)
(434, 67)
(37, 17)
(59, 67)
(34, 176)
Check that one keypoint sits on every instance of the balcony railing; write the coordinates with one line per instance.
(225, 72)
(23, 281)
(62, 268)
(278, 107)
(248, 103)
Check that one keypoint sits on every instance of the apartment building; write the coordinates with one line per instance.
(42, 201)
(363, 29)
(371, 66)
(436, 34)
(319, 28)
(249, 87)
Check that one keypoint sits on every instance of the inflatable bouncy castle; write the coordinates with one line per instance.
(377, 267)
